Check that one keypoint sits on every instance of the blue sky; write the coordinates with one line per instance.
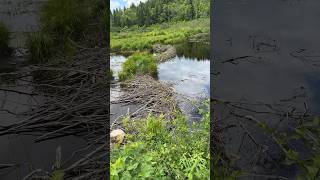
(123, 3)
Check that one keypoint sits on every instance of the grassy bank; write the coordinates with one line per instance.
(138, 64)
(159, 149)
(141, 38)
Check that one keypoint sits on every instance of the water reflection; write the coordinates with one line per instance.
(190, 77)
(266, 63)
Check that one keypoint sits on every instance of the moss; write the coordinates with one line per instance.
(138, 64)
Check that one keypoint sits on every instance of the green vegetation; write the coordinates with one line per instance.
(306, 132)
(4, 38)
(57, 175)
(138, 64)
(160, 149)
(160, 11)
(64, 22)
(41, 46)
(140, 38)
(109, 74)
(65, 18)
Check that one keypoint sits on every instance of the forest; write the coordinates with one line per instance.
(159, 11)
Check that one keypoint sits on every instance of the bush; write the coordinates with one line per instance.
(40, 46)
(161, 149)
(4, 38)
(138, 64)
(65, 17)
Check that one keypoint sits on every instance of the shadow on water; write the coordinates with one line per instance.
(265, 66)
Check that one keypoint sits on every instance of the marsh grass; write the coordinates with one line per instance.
(141, 38)
(41, 47)
(4, 39)
(138, 64)
(63, 22)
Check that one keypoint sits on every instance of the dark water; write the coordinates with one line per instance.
(188, 72)
(21, 16)
(266, 61)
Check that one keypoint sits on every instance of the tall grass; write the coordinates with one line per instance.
(140, 38)
(4, 38)
(41, 47)
(62, 23)
(138, 64)
(67, 18)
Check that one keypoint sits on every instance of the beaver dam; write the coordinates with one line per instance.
(181, 80)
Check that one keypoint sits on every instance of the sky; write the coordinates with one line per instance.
(123, 3)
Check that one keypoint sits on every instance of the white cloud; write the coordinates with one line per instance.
(114, 4)
(129, 2)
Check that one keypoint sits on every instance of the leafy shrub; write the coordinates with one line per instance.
(139, 63)
(161, 149)
(4, 38)
(40, 46)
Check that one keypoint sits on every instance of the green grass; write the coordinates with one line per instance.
(41, 47)
(4, 38)
(141, 38)
(160, 149)
(138, 64)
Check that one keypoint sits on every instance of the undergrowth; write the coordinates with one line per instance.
(138, 64)
(160, 149)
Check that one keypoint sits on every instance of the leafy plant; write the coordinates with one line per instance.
(160, 149)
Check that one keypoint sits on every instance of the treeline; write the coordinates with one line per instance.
(159, 11)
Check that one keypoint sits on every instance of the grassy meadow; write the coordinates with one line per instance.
(142, 38)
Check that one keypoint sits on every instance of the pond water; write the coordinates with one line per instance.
(188, 72)
(21, 16)
(266, 62)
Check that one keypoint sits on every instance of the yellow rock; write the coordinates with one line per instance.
(117, 136)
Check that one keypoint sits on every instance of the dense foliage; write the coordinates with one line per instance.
(139, 38)
(161, 149)
(159, 11)
(138, 64)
